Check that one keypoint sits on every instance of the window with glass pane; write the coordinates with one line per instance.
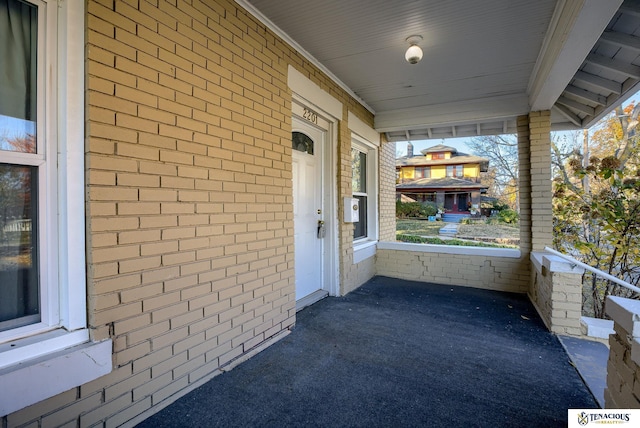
(359, 190)
(19, 165)
(424, 172)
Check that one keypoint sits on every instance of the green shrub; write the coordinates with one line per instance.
(508, 216)
(415, 209)
(430, 208)
(437, 241)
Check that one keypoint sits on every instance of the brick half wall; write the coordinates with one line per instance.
(486, 268)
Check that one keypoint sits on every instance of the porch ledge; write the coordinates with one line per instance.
(43, 377)
(451, 249)
(626, 313)
(553, 263)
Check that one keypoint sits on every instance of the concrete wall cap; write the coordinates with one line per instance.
(560, 265)
(451, 249)
(625, 312)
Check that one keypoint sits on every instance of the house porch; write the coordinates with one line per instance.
(398, 353)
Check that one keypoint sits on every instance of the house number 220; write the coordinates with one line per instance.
(311, 116)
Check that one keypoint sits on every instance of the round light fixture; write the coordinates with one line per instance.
(414, 53)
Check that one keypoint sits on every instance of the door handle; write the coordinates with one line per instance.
(322, 230)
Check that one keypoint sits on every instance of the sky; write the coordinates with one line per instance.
(13, 127)
(458, 143)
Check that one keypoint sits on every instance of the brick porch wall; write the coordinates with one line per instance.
(480, 271)
(189, 199)
(556, 292)
(387, 196)
(623, 366)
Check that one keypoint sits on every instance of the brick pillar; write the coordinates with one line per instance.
(534, 151)
(387, 196)
(557, 293)
(524, 185)
(623, 370)
(540, 157)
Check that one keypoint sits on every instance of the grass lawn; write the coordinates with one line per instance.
(490, 230)
(418, 227)
(412, 230)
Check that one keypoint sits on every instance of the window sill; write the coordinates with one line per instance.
(49, 364)
(363, 250)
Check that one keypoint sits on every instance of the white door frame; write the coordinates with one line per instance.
(309, 113)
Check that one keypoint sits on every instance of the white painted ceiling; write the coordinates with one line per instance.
(485, 61)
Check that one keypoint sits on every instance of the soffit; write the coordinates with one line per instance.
(608, 75)
(480, 58)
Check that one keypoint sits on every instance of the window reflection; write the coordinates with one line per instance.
(18, 72)
(19, 289)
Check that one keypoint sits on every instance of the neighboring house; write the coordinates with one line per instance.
(196, 167)
(442, 175)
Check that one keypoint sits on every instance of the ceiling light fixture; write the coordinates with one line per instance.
(414, 53)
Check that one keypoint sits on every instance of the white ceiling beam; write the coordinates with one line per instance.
(429, 132)
(576, 105)
(586, 95)
(606, 84)
(629, 10)
(456, 113)
(621, 39)
(575, 27)
(453, 131)
(569, 115)
(628, 70)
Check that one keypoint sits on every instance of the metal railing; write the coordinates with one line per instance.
(585, 266)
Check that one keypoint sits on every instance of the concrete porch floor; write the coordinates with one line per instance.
(397, 353)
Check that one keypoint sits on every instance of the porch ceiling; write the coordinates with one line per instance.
(484, 63)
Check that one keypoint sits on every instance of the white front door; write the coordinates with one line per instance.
(308, 210)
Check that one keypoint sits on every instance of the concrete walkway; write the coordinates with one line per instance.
(450, 229)
(397, 353)
(590, 359)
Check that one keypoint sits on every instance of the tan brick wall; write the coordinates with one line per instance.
(557, 297)
(493, 273)
(387, 191)
(540, 158)
(524, 184)
(189, 199)
(349, 271)
(623, 374)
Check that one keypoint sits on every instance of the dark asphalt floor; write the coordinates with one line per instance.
(402, 354)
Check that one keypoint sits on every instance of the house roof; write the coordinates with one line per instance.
(420, 160)
(439, 148)
(440, 184)
(485, 63)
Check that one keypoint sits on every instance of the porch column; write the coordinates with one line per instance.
(387, 201)
(534, 152)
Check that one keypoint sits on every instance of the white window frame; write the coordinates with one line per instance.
(422, 170)
(61, 338)
(371, 150)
